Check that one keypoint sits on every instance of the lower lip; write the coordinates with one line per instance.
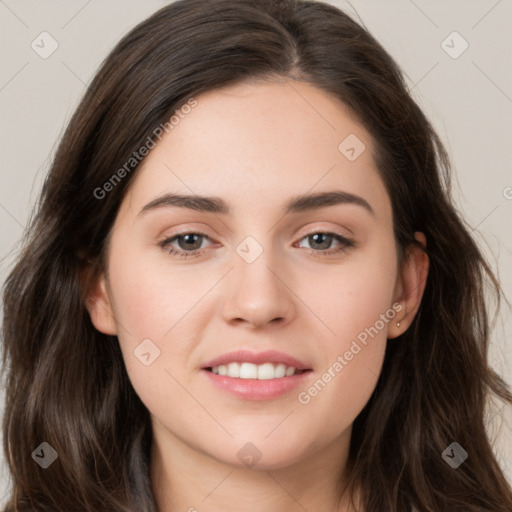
(255, 389)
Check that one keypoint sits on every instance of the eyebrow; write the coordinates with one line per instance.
(301, 203)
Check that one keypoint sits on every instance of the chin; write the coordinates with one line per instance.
(260, 454)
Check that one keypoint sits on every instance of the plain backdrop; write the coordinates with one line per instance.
(463, 82)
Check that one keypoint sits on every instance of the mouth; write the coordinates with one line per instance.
(256, 376)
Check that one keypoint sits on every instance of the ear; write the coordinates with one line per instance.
(99, 305)
(410, 286)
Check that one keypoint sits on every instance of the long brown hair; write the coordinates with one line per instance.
(66, 383)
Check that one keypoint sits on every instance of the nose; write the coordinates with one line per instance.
(258, 293)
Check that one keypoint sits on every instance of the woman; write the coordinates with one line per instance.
(246, 288)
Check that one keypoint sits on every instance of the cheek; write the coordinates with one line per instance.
(149, 299)
(352, 296)
(356, 306)
(151, 303)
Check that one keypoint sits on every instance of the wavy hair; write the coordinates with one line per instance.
(66, 383)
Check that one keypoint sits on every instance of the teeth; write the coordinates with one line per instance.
(247, 371)
(280, 371)
(266, 371)
(233, 370)
(289, 371)
(254, 371)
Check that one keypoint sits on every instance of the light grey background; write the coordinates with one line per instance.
(468, 98)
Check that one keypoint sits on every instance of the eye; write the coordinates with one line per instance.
(189, 242)
(321, 240)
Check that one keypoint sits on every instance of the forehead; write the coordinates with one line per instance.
(257, 143)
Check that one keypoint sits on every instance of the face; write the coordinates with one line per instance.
(260, 316)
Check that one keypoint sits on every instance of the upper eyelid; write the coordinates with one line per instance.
(190, 229)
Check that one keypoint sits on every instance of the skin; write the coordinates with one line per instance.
(255, 145)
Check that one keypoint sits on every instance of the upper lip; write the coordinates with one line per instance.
(247, 356)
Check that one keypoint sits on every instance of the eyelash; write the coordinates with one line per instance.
(346, 244)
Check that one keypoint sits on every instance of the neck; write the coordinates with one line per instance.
(185, 479)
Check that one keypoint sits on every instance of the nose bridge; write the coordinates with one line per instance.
(257, 292)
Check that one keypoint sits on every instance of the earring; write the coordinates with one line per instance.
(398, 324)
